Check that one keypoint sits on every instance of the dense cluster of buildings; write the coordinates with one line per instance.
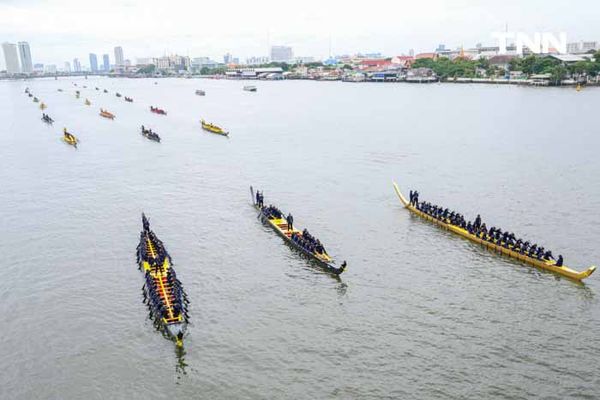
(359, 67)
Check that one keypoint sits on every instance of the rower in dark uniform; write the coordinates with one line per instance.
(559, 262)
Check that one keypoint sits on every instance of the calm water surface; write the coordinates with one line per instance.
(418, 314)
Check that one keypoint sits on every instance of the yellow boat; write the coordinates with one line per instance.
(87, 102)
(543, 264)
(163, 293)
(70, 138)
(106, 114)
(43, 106)
(281, 227)
(213, 128)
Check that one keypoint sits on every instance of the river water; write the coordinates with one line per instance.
(419, 313)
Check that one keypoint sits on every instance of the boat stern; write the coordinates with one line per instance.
(176, 331)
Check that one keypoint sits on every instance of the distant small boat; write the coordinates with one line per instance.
(43, 106)
(70, 138)
(60, 90)
(250, 88)
(150, 135)
(157, 110)
(129, 99)
(29, 94)
(47, 119)
(97, 88)
(118, 94)
(87, 102)
(105, 91)
(213, 128)
(200, 92)
(106, 114)
(36, 100)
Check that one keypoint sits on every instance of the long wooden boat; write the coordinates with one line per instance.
(213, 128)
(70, 139)
(106, 114)
(148, 134)
(543, 264)
(163, 292)
(157, 110)
(280, 226)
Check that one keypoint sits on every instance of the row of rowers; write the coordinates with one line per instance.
(478, 228)
(304, 239)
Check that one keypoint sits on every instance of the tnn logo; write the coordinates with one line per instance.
(539, 44)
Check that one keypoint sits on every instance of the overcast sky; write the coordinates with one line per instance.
(59, 30)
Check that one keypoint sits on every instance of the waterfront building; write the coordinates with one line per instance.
(374, 64)
(38, 68)
(76, 65)
(25, 57)
(67, 67)
(227, 58)
(105, 62)
(11, 59)
(93, 63)
(281, 54)
(404, 61)
(119, 59)
(582, 47)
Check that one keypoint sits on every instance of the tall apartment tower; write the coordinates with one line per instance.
(119, 59)
(11, 58)
(93, 62)
(25, 56)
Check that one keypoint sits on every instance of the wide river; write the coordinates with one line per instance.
(419, 313)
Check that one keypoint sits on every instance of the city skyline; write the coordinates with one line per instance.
(62, 29)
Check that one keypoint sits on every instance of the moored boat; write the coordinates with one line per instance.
(296, 238)
(106, 114)
(497, 246)
(213, 128)
(163, 292)
(250, 88)
(157, 110)
(200, 92)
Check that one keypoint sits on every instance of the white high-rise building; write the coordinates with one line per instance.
(25, 56)
(281, 54)
(67, 67)
(11, 58)
(119, 59)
